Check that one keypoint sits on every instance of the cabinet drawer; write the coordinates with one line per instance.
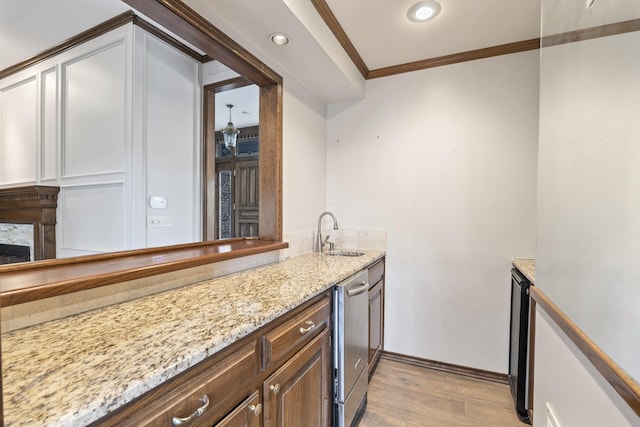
(220, 382)
(375, 273)
(280, 341)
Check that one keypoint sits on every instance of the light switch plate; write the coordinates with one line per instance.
(159, 221)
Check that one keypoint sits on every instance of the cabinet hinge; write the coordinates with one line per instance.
(330, 341)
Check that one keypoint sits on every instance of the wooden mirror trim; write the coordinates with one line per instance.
(187, 24)
(27, 282)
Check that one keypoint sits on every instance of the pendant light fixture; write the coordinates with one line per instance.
(230, 132)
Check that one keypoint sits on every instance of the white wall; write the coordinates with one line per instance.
(444, 160)
(588, 212)
(588, 204)
(577, 394)
(304, 158)
(111, 122)
(76, 125)
(170, 118)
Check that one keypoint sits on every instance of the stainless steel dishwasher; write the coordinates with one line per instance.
(351, 347)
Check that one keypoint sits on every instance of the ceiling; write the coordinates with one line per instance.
(384, 36)
(378, 29)
(28, 27)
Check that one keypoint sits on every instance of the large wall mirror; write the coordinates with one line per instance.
(137, 167)
(588, 244)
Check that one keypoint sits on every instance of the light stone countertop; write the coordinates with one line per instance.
(526, 266)
(73, 371)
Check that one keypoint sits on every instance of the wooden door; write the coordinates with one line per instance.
(246, 198)
(298, 394)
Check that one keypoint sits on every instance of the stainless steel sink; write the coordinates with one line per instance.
(344, 253)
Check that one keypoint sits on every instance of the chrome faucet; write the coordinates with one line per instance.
(319, 243)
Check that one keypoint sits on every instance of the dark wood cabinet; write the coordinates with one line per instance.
(289, 359)
(216, 385)
(279, 342)
(376, 314)
(248, 414)
(298, 394)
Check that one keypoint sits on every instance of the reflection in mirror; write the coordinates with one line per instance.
(237, 167)
(128, 162)
(231, 207)
(588, 204)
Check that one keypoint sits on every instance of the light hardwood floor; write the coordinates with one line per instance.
(411, 396)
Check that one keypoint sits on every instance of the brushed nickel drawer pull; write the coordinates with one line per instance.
(179, 421)
(256, 409)
(310, 328)
(274, 388)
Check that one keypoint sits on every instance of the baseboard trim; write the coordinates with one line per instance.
(466, 371)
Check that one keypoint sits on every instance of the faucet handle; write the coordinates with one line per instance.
(331, 241)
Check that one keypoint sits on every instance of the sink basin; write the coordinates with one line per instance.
(344, 253)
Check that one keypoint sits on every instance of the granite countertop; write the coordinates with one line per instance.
(73, 371)
(526, 266)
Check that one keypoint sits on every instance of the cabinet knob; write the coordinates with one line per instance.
(275, 388)
(309, 328)
(256, 409)
(179, 421)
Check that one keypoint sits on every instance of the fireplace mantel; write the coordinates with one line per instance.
(34, 204)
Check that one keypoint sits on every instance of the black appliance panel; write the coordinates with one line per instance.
(519, 344)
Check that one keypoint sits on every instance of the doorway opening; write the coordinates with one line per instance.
(232, 173)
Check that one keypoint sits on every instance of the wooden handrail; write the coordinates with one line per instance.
(626, 386)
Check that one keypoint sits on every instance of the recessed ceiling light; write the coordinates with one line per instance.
(279, 39)
(423, 11)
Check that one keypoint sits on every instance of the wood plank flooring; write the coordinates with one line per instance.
(403, 395)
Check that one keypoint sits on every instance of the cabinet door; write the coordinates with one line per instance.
(245, 415)
(376, 313)
(298, 394)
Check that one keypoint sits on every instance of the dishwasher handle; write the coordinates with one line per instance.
(360, 289)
